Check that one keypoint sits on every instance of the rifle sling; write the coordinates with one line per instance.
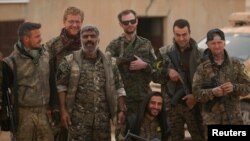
(175, 59)
(15, 88)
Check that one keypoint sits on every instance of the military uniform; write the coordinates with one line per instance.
(58, 48)
(178, 113)
(33, 92)
(92, 86)
(224, 110)
(136, 83)
(150, 129)
(62, 45)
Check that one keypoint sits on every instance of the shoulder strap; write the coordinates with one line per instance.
(128, 48)
(15, 89)
(175, 58)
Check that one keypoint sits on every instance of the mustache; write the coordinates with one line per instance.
(89, 42)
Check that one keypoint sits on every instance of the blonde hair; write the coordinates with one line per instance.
(73, 11)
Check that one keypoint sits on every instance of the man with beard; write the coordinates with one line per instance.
(134, 57)
(219, 82)
(58, 47)
(89, 86)
(177, 63)
(150, 122)
(25, 72)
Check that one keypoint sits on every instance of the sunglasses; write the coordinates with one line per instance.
(129, 21)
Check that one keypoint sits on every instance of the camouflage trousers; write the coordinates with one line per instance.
(100, 132)
(90, 127)
(222, 118)
(180, 115)
(34, 125)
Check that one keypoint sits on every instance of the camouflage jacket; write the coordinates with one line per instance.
(69, 74)
(136, 83)
(58, 48)
(231, 70)
(61, 46)
(163, 63)
(32, 77)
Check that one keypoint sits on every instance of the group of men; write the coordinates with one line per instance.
(89, 88)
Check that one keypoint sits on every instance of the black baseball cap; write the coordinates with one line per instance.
(211, 34)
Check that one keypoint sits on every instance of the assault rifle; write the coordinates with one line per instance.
(131, 135)
(125, 60)
(184, 88)
(10, 100)
(10, 115)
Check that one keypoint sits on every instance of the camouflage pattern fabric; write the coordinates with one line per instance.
(34, 125)
(228, 111)
(90, 111)
(150, 129)
(136, 83)
(58, 48)
(62, 46)
(90, 103)
(33, 95)
(33, 87)
(180, 114)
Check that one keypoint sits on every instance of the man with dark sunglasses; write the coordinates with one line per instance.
(134, 56)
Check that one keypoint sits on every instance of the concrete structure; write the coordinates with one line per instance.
(202, 14)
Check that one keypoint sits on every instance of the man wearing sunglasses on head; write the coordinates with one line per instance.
(134, 56)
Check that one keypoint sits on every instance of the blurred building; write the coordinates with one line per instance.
(247, 5)
(156, 17)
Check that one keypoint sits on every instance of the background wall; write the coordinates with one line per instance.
(202, 14)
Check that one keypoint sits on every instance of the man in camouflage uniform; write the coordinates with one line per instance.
(69, 38)
(26, 73)
(150, 122)
(219, 82)
(58, 47)
(134, 57)
(89, 86)
(174, 69)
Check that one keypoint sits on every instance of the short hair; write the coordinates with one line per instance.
(181, 23)
(73, 11)
(90, 28)
(25, 28)
(126, 12)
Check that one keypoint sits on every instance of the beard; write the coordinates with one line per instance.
(90, 48)
(130, 31)
(153, 112)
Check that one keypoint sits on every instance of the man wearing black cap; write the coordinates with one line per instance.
(219, 82)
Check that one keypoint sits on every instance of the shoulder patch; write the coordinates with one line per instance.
(158, 65)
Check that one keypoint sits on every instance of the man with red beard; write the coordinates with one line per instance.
(58, 47)
(134, 57)
(150, 122)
